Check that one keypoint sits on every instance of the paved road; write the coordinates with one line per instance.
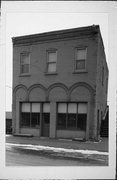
(16, 157)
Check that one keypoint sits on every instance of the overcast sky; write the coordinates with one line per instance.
(43, 17)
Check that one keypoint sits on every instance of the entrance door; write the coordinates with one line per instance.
(98, 128)
(45, 124)
(46, 120)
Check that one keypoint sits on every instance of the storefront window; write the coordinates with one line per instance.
(62, 110)
(30, 114)
(25, 119)
(82, 116)
(35, 115)
(72, 112)
(72, 116)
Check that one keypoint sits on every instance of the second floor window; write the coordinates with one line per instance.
(51, 61)
(80, 60)
(24, 63)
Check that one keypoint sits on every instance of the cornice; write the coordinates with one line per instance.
(56, 35)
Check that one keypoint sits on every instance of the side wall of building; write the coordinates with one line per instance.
(102, 84)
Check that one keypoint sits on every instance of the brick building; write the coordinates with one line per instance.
(60, 81)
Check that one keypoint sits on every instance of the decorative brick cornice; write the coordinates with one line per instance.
(56, 35)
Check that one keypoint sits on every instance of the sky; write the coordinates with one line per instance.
(31, 20)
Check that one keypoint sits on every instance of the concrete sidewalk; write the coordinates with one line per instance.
(60, 143)
(96, 151)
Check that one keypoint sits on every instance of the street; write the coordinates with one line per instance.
(19, 159)
(26, 157)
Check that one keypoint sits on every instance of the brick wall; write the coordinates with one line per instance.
(65, 85)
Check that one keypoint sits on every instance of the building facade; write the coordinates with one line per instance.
(60, 81)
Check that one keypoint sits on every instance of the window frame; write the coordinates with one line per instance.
(71, 128)
(47, 60)
(41, 113)
(30, 126)
(21, 54)
(57, 104)
(75, 59)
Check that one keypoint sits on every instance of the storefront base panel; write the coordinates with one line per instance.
(34, 132)
(70, 134)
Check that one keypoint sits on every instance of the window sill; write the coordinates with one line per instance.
(24, 75)
(54, 73)
(80, 71)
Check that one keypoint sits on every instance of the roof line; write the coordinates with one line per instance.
(55, 34)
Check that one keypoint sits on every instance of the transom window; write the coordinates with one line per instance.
(51, 61)
(80, 59)
(24, 63)
(72, 116)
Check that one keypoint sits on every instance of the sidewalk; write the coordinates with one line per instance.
(62, 147)
(60, 143)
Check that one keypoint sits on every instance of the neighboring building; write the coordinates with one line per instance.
(8, 122)
(60, 82)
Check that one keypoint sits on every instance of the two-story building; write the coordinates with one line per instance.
(60, 81)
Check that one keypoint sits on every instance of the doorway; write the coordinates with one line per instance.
(45, 124)
(98, 119)
(46, 120)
